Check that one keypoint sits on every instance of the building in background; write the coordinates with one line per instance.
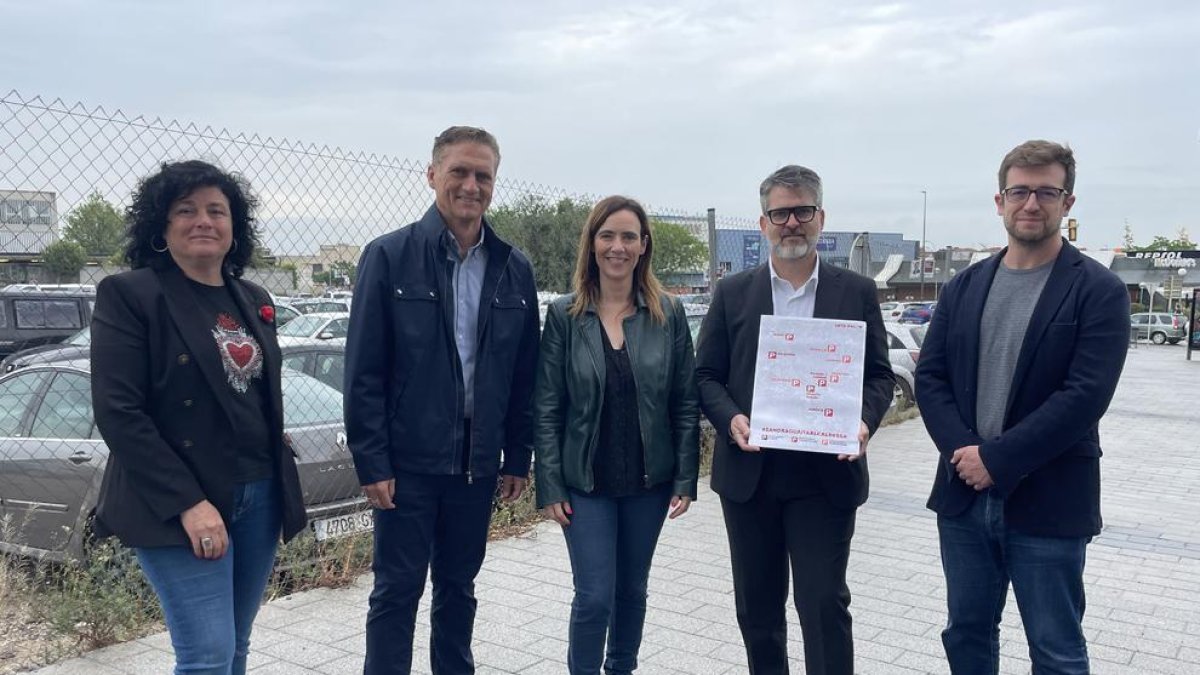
(28, 222)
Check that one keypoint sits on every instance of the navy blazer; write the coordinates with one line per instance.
(725, 360)
(161, 404)
(1046, 462)
(404, 397)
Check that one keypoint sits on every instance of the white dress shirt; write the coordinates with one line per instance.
(789, 301)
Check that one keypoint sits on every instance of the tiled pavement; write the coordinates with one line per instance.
(1143, 573)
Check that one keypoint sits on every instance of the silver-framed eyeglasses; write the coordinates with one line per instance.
(1045, 195)
(803, 214)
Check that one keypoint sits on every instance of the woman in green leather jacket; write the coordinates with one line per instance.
(616, 423)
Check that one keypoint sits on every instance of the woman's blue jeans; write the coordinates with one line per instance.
(210, 605)
(611, 541)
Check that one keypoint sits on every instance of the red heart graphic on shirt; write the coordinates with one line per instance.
(241, 354)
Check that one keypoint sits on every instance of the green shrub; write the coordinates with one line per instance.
(100, 600)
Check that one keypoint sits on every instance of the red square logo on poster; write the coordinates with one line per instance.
(829, 412)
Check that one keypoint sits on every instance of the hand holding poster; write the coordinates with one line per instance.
(808, 381)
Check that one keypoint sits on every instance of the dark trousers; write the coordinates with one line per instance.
(440, 526)
(611, 542)
(980, 556)
(764, 534)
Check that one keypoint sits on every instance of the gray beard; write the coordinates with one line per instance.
(791, 251)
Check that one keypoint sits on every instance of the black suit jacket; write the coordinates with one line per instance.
(159, 392)
(1047, 460)
(725, 362)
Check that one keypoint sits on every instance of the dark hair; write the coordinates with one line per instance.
(146, 217)
(1037, 154)
(586, 282)
(455, 135)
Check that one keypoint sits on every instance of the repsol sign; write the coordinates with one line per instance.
(1169, 258)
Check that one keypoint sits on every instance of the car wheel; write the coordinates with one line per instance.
(1158, 338)
(902, 395)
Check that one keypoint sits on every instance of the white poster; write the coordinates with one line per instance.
(808, 383)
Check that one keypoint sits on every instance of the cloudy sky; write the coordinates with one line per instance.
(688, 104)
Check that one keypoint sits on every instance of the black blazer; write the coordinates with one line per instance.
(1047, 460)
(159, 393)
(725, 361)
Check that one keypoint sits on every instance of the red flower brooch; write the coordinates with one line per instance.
(267, 313)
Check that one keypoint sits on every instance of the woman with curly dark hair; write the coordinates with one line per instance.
(200, 480)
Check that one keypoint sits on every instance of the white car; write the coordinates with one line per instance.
(330, 327)
(904, 350)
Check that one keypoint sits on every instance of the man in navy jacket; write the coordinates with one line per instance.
(440, 361)
(1021, 360)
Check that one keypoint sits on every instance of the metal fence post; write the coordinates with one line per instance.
(712, 249)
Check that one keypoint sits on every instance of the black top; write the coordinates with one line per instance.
(242, 359)
(619, 466)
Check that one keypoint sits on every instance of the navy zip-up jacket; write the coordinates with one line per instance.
(404, 388)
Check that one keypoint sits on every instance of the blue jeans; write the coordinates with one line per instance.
(439, 527)
(980, 555)
(210, 605)
(611, 542)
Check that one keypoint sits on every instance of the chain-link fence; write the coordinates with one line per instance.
(67, 172)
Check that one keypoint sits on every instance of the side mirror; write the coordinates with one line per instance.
(325, 335)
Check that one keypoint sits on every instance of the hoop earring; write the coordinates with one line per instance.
(233, 249)
(157, 249)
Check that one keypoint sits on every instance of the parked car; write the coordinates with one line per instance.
(321, 306)
(309, 328)
(918, 312)
(284, 313)
(904, 350)
(892, 310)
(695, 316)
(75, 347)
(29, 318)
(52, 457)
(1159, 327)
(325, 361)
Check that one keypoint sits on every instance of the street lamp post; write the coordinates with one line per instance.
(924, 204)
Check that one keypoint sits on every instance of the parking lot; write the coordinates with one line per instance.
(1143, 573)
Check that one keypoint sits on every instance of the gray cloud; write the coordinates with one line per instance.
(686, 105)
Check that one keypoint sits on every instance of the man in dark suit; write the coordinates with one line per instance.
(783, 505)
(1021, 360)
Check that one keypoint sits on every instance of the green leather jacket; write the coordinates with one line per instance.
(570, 391)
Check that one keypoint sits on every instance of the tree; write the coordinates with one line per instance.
(547, 232)
(1128, 239)
(339, 274)
(676, 250)
(64, 259)
(1161, 243)
(96, 225)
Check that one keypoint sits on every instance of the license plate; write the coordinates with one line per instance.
(340, 526)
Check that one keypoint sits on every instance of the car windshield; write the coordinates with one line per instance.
(302, 326)
(308, 402)
(82, 338)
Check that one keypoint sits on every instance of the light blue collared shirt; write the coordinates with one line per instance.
(468, 285)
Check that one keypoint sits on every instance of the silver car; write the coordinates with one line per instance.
(904, 350)
(52, 457)
(1158, 327)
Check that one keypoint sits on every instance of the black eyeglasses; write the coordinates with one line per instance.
(803, 214)
(1045, 195)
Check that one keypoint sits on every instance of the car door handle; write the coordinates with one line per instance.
(80, 457)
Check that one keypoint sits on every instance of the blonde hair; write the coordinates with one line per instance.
(586, 281)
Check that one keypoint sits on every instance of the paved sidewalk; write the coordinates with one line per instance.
(1143, 573)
